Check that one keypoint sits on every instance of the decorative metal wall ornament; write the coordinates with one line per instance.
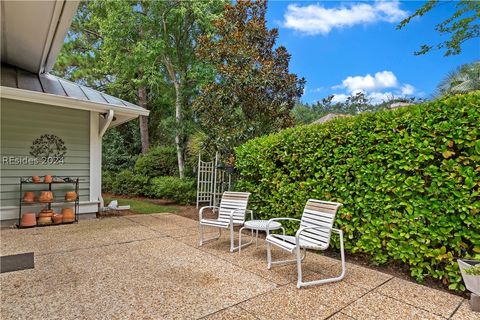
(48, 146)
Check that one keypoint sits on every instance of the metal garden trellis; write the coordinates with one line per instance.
(212, 180)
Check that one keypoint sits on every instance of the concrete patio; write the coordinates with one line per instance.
(150, 267)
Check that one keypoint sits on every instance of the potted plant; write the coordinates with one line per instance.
(470, 270)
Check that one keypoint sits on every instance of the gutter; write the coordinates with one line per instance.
(69, 102)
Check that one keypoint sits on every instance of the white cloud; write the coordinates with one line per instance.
(316, 19)
(373, 97)
(381, 80)
(380, 87)
(339, 97)
(407, 89)
(379, 97)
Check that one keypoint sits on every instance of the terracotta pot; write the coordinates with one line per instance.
(28, 220)
(36, 179)
(29, 196)
(46, 213)
(71, 196)
(47, 179)
(43, 221)
(57, 218)
(45, 196)
(68, 215)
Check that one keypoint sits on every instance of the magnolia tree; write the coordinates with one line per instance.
(253, 91)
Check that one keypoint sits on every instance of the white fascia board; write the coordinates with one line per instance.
(68, 102)
(58, 31)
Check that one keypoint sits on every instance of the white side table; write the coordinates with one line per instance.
(257, 225)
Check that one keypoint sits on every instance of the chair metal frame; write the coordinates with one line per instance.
(309, 227)
(236, 217)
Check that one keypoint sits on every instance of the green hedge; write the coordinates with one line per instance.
(182, 191)
(409, 180)
(127, 182)
(152, 176)
(159, 161)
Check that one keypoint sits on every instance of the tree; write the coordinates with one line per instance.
(182, 22)
(465, 79)
(137, 49)
(253, 91)
(118, 59)
(462, 26)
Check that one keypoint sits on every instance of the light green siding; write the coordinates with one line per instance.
(22, 123)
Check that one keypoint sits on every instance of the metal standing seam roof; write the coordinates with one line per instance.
(331, 116)
(47, 83)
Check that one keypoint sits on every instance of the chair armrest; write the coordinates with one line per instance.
(279, 219)
(240, 210)
(297, 235)
(200, 213)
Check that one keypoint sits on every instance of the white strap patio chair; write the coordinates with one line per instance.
(316, 227)
(231, 213)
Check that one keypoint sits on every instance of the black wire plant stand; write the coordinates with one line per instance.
(56, 180)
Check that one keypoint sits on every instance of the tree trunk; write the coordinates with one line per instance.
(144, 137)
(177, 83)
(178, 121)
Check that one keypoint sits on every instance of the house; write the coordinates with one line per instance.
(39, 110)
(400, 104)
(329, 117)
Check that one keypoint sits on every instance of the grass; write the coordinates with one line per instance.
(142, 206)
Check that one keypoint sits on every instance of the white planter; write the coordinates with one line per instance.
(471, 282)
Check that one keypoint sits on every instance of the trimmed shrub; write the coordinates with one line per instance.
(409, 180)
(108, 178)
(128, 183)
(159, 161)
(182, 191)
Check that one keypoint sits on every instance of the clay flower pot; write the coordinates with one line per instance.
(71, 196)
(57, 218)
(45, 196)
(46, 213)
(36, 179)
(68, 215)
(47, 179)
(43, 221)
(28, 220)
(29, 196)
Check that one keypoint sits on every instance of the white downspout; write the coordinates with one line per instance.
(104, 124)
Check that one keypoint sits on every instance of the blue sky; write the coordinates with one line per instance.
(341, 47)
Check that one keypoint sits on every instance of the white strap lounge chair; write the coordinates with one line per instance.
(231, 213)
(316, 227)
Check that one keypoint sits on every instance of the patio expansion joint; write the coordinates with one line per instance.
(456, 309)
(360, 297)
(409, 304)
(143, 225)
(238, 265)
(245, 300)
(159, 231)
(100, 246)
(418, 307)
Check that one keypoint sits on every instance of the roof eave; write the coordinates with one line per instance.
(56, 43)
(68, 102)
